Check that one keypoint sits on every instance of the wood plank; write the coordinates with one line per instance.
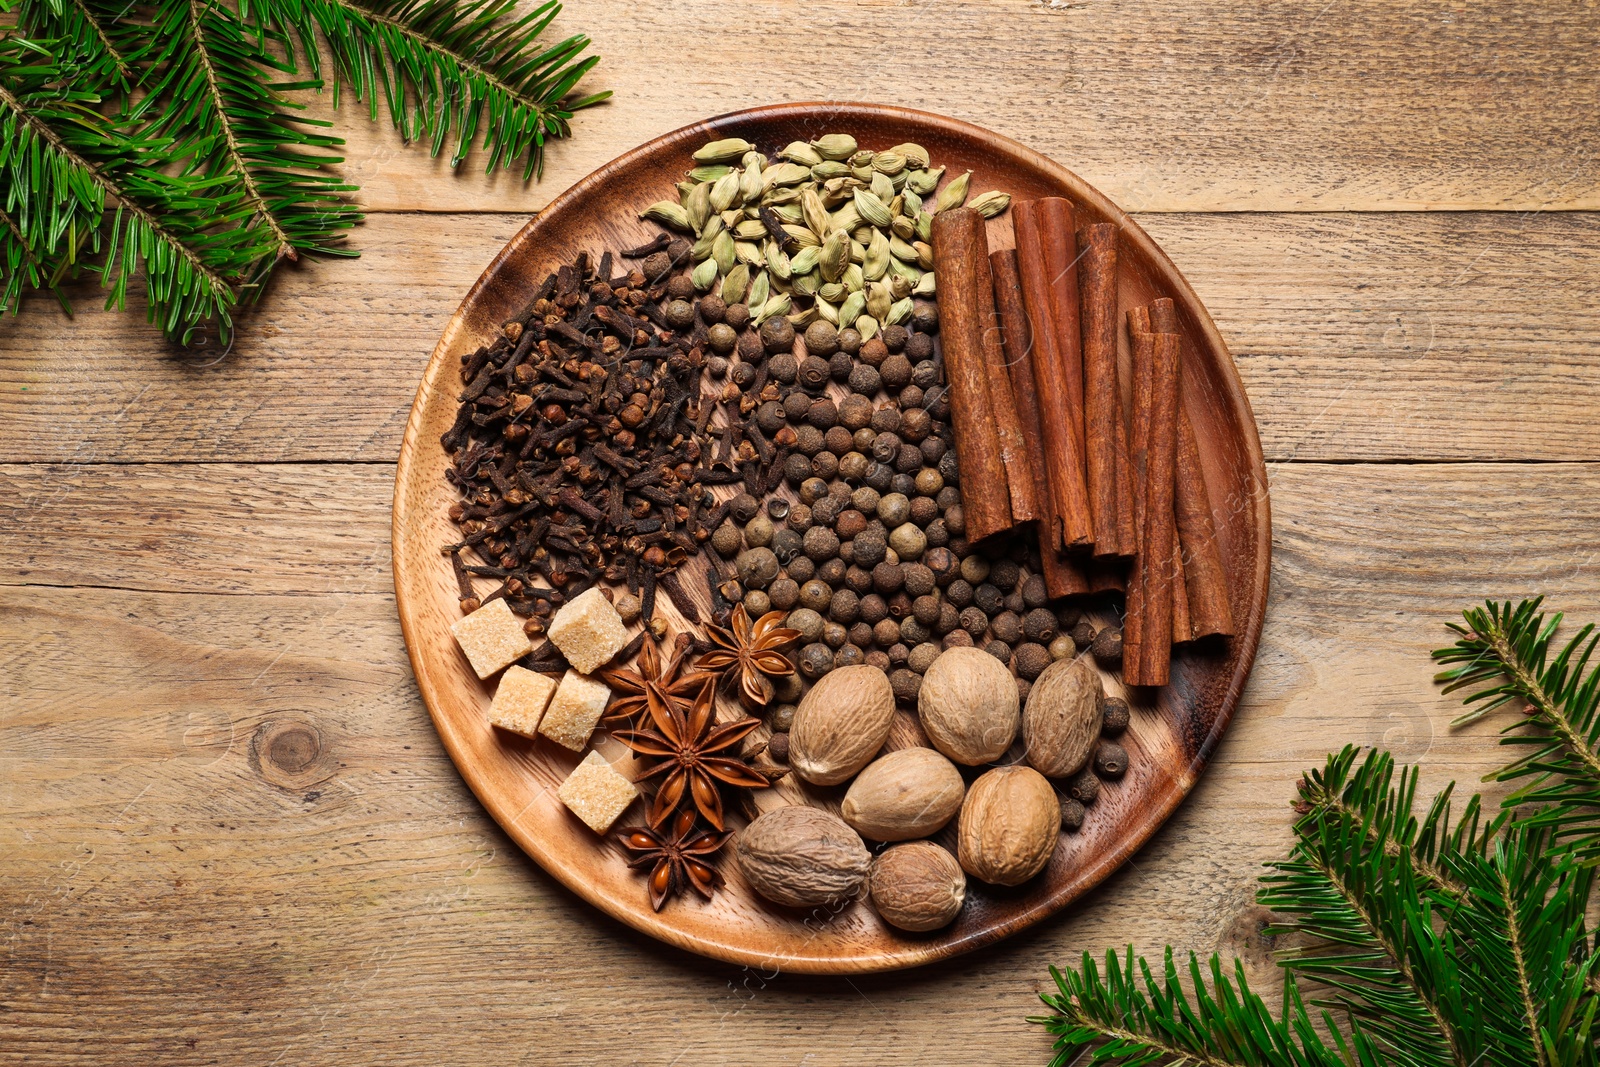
(1196, 106)
(1359, 337)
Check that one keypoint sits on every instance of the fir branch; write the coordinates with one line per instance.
(94, 50)
(1515, 939)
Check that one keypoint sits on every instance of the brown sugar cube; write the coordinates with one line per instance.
(588, 631)
(576, 707)
(520, 700)
(596, 793)
(491, 637)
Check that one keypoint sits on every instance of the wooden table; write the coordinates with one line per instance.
(229, 832)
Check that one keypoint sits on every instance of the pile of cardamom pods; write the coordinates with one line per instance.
(827, 230)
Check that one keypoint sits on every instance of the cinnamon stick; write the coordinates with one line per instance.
(966, 315)
(1060, 451)
(1020, 466)
(1061, 263)
(1061, 576)
(1148, 661)
(1105, 443)
(1141, 338)
(1205, 579)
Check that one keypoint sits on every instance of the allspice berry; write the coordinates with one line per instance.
(1114, 717)
(1084, 787)
(727, 540)
(722, 338)
(874, 352)
(822, 338)
(756, 567)
(1063, 647)
(712, 309)
(807, 621)
(1107, 647)
(815, 660)
(784, 593)
(896, 372)
(1072, 814)
(1110, 760)
(1083, 634)
(1030, 660)
(777, 334)
(738, 316)
(1039, 625)
(758, 531)
(778, 744)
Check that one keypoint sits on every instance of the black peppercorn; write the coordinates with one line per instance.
(1114, 716)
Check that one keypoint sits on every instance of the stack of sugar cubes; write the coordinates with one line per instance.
(589, 633)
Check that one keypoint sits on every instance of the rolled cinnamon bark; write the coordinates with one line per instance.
(1141, 339)
(1205, 579)
(1105, 442)
(1148, 660)
(966, 318)
(1061, 576)
(1060, 451)
(1061, 262)
(1020, 462)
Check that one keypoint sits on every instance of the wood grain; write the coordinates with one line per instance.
(377, 913)
(1358, 337)
(1201, 105)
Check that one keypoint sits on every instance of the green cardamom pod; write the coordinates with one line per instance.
(802, 318)
(668, 214)
(876, 262)
(858, 251)
(905, 270)
(924, 182)
(827, 312)
(816, 215)
(913, 204)
(862, 158)
(778, 196)
(778, 305)
(709, 174)
(835, 146)
(904, 227)
(722, 251)
(724, 191)
(915, 155)
(749, 252)
(749, 230)
(777, 260)
(703, 275)
(833, 292)
(924, 287)
(829, 170)
(883, 189)
(867, 327)
(751, 183)
(924, 255)
(708, 234)
(954, 194)
(785, 174)
(807, 284)
(901, 250)
(697, 206)
(991, 203)
(851, 309)
(862, 174)
(723, 151)
(897, 182)
(878, 300)
(924, 226)
(735, 284)
(835, 255)
(789, 213)
(801, 235)
(684, 189)
(805, 260)
(899, 312)
(801, 153)
(869, 207)
(890, 162)
(899, 287)
(753, 160)
(853, 280)
(732, 217)
(756, 297)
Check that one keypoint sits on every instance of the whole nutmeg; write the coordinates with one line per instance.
(802, 856)
(1061, 723)
(1009, 825)
(841, 724)
(904, 795)
(917, 886)
(968, 706)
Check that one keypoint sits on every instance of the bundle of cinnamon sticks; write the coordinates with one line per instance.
(1040, 402)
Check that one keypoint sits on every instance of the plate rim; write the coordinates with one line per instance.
(1161, 804)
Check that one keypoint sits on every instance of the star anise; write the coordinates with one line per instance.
(755, 652)
(688, 746)
(652, 680)
(677, 859)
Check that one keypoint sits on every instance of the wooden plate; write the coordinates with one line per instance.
(1169, 742)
